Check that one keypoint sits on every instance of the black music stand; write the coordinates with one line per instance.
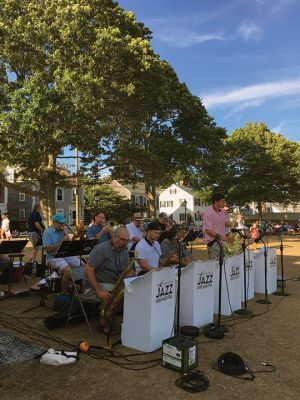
(42, 284)
(13, 248)
(75, 248)
(191, 236)
(282, 292)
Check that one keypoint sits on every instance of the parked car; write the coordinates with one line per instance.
(17, 228)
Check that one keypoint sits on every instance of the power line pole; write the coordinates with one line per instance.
(77, 188)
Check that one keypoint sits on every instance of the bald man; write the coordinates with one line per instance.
(106, 263)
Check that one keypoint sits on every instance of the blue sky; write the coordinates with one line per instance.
(241, 57)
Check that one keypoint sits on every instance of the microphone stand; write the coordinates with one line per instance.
(244, 310)
(179, 286)
(217, 331)
(282, 292)
(265, 300)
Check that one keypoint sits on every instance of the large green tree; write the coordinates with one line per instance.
(260, 166)
(178, 135)
(103, 197)
(71, 74)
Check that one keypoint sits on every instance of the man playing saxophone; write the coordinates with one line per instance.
(106, 263)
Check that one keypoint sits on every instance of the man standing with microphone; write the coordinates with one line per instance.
(214, 223)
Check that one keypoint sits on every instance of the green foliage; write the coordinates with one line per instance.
(114, 206)
(77, 70)
(261, 166)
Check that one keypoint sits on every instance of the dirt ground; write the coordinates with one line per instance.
(272, 336)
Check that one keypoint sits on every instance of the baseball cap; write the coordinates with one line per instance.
(58, 218)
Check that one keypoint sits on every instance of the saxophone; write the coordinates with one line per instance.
(117, 294)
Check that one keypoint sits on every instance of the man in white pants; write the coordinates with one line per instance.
(52, 240)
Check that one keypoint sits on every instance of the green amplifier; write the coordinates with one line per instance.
(179, 353)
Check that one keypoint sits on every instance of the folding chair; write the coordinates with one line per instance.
(77, 277)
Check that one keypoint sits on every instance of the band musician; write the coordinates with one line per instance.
(98, 231)
(135, 231)
(148, 251)
(165, 228)
(106, 263)
(52, 240)
(172, 248)
(214, 223)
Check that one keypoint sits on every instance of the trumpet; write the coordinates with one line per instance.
(112, 224)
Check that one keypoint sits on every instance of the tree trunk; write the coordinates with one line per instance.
(150, 191)
(259, 207)
(48, 186)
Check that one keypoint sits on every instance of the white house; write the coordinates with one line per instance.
(178, 201)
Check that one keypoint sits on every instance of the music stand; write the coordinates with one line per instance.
(13, 248)
(191, 236)
(282, 292)
(75, 248)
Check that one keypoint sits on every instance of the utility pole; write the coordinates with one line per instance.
(77, 187)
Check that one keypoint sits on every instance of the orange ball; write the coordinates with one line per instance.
(84, 347)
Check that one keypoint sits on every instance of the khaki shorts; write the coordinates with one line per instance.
(89, 293)
(34, 237)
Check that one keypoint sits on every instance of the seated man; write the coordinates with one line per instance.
(98, 230)
(148, 251)
(106, 263)
(171, 246)
(52, 240)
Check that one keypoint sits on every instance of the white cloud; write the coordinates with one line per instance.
(185, 38)
(250, 30)
(259, 91)
(243, 106)
(278, 128)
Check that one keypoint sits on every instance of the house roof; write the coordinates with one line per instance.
(137, 187)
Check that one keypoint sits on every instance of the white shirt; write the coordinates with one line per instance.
(133, 231)
(151, 254)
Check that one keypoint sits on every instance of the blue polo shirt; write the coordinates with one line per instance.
(52, 236)
(93, 230)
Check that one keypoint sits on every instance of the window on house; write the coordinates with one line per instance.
(73, 196)
(198, 216)
(181, 217)
(22, 214)
(157, 201)
(22, 196)
(173, 191)
(170, 203)
(197, 202)
(162, 204)
(59, 194)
